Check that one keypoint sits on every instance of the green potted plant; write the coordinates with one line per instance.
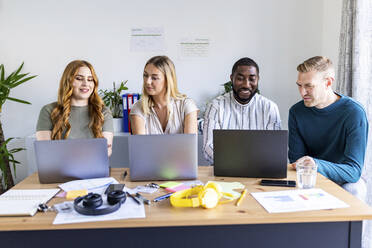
(113, 100)
(6, 156)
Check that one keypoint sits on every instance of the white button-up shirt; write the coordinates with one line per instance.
(225, 112)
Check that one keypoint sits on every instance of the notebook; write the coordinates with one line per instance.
(59, 161)
(250, 153)
(163, 157)
(24, 202)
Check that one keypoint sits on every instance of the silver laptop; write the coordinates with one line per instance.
(65, 160)
(163, 157)
(250, 153)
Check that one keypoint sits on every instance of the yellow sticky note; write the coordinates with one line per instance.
(72, 194)
(229, 187)
(170, 184)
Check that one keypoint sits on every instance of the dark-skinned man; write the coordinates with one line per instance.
(243, 108)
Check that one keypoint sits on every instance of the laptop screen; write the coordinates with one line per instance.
(163, 157)
(71, 159)
(250, 153)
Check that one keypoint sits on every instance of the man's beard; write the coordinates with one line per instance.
(244, 100)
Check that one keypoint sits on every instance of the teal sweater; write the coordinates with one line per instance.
(335, 136)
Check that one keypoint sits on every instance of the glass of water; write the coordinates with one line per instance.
(306, 174)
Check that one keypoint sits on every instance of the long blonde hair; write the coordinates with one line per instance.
(61, 113)
(166, 66)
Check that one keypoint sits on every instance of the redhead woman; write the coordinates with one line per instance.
(79, 112)
(162, 108)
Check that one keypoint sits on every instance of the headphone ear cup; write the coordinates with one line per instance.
(216, 187)
(209, 197)
(92, 201)
(116, 196)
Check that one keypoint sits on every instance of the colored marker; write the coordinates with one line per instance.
(160, 198)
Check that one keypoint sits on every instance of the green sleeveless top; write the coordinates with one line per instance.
(79, 121)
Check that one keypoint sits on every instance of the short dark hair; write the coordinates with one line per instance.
(245, 61)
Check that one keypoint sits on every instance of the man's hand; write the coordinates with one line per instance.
(303, 160)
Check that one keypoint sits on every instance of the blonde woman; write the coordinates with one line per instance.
(79, 112)
(162, 108)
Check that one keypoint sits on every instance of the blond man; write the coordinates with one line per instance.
(327, 128)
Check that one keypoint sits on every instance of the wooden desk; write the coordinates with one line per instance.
(225, 226)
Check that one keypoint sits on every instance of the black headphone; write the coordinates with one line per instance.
(92, 202)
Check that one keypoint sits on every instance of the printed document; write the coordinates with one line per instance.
(297, 200)
(147, 39)
(130, 209)
(193, 47)
(94, 185)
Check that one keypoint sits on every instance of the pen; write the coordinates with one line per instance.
(134, 198)
(125, 174)
(241, 197)
(160, 198)
(146, 201)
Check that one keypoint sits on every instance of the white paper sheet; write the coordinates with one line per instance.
(130, 209)
(193, 48)
(147, 39)
(95, 185)
(297, 200)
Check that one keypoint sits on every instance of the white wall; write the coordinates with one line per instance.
(331, 29)
(48, 34)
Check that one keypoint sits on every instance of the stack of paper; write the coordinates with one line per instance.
(129, 209)
(24, 202)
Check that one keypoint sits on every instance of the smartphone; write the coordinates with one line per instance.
(282, 183)
(114, 187)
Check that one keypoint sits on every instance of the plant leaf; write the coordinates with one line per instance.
(16, 78)
(7, 141)
(20, 68)
(17, 100)
(14, 150)
(14, 161)
(22, 81)
(2, 70)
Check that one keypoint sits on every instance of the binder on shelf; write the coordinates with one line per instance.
(128, 101)
(130, 104)
(125, 113)
(136, 97)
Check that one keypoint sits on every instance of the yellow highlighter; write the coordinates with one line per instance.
(72, 194)
(241, 197)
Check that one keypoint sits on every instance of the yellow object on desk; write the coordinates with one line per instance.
(241, 197)
(72, 194)
(207, 196)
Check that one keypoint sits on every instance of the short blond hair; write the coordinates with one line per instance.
(319, 64)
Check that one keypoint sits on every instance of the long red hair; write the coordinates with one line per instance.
(61, 113)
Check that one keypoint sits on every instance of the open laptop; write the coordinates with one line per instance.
(60, 161)
(250, 153)
(163, 157)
